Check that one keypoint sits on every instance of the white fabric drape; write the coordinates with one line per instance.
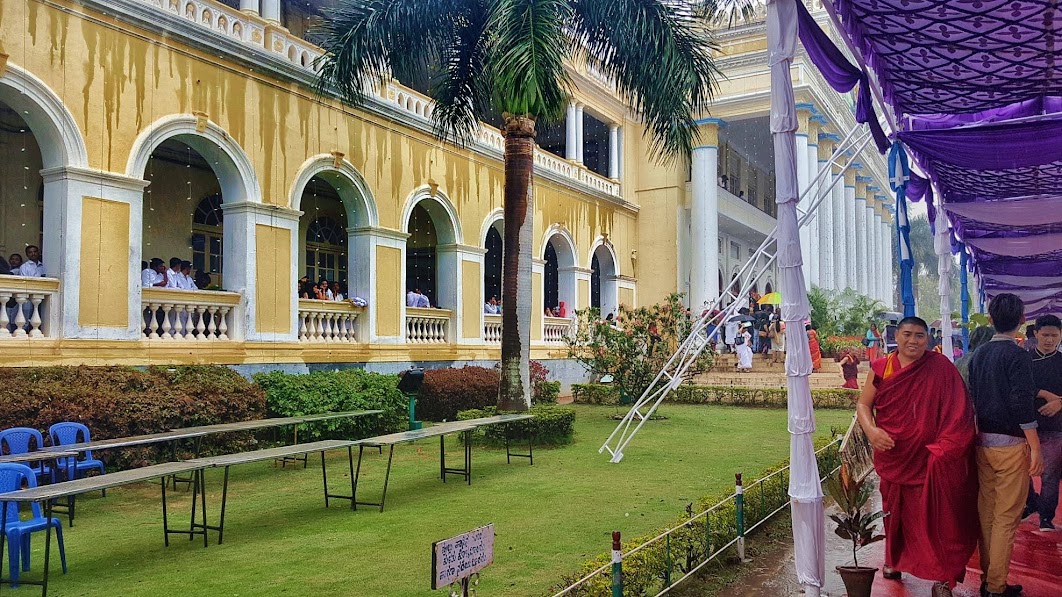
(942, 245)
(804, 487)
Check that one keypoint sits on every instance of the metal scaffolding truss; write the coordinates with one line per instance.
(675, 371)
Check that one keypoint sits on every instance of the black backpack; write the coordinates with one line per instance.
(740, 340)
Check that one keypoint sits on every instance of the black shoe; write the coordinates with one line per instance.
(1010, 591)
(1027, 512)
(1047, 526)
(890, 574)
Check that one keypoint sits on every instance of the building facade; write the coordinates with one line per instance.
(189, 129)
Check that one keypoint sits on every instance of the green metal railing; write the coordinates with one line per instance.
(756, 504)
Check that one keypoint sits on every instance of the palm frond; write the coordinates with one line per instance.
(365, 41)
(527, 61)
(725, 13)
(659, 53)
(461, 89)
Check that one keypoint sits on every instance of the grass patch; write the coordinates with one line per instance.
(549, 518)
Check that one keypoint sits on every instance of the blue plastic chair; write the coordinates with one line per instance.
(18, 440)
(62, 434)
(15, 477)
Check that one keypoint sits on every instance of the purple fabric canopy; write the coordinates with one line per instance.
(975, 87)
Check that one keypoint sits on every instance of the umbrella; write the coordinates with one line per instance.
(741, 318)
(771, 298)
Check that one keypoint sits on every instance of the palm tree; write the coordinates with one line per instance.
(509, 56)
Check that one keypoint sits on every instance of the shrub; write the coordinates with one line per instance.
(832, 346)
(726, 395)
(543, 391)
(595, 393)
(325, 391)
(122, 401)
(552, 425)
(445, 392)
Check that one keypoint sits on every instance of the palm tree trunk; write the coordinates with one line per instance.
(514, 394)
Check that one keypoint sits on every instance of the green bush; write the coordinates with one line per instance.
(552, 425)
(595, 393)
(324, 391)
(546, 392)
(644, 571)
(725, 395)
(122, 401)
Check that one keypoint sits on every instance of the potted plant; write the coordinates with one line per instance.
(857, 526)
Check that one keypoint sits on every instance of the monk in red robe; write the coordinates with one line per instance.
(920, 421)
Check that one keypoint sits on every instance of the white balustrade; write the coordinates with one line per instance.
(254, 30)
(492, 328)
(427, 326)
(188, 315)
(555, 329)
(327, 321)
(24, 303)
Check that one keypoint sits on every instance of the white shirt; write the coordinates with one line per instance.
(149, 278)
(339, 296)
(33, 269)
(174, 279)
(186, 282)
(328, 293)
(422, 302)
(411, 299)
(491, 309)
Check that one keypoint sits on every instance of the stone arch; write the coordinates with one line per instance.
(604, 287)
(235, 173)
(60, 139)
(559, 283)
(442, 212)
(350, 184)
(492, 237)
(495, 219)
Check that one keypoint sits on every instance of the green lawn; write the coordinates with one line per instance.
(549, 518)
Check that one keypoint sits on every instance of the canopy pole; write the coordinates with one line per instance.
(964, 298)
(942, 244)
(809, 529)
(899, 174)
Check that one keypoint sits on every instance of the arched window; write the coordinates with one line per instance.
(552, 279)
(421, 266)
(595, 283)
(326, 250)
(207, 224)
(492, 265)
(768, 289)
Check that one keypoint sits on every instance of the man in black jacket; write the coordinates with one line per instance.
(1008, 451)
(1047, 373)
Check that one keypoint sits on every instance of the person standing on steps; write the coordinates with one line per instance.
(744, 348)
(1047, 374)
(917, 416)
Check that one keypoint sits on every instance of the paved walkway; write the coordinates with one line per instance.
(1036, 564)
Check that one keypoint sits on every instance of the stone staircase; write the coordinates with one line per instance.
(764, 374)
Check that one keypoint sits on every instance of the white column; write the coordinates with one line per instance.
(840, 234)
(815, 228)
(571, 139)
(704, 227)
(362, 246)
(579, 133)
(885, 275)
(619, 153)
(271, 10)
(873, 252)
(862, 254)
(826, 273)
(851, 266)
(250, 6)
(613, 151)
(65, 189)
(802, 205)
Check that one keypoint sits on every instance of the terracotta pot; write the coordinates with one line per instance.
(857, 579)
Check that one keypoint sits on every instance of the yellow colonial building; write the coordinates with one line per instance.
(189, 129)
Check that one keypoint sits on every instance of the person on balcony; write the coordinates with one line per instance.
(202, 280)
(337, 292)
(187, 281)
(14, 263)
(491, 306)
(33, 267)
(174, 279)
(5, 269)
(154, 275)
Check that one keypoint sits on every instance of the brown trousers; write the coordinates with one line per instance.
(1003, 474)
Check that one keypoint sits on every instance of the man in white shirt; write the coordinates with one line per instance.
(154, 275)
(412, 297)
(491, 308)
(422, 300)
(33, 266)
(174, 279)
(186, 281)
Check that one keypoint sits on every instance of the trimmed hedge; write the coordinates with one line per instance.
(552, 425)
(445, 392)
(290, 395)
(644, 572)
(727, 395)
(122, 401)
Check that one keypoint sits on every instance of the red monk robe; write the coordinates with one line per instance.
(928, 479)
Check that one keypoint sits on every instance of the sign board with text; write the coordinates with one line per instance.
(457, 558)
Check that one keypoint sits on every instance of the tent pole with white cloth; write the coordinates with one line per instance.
(809, 534)
(942, 245)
